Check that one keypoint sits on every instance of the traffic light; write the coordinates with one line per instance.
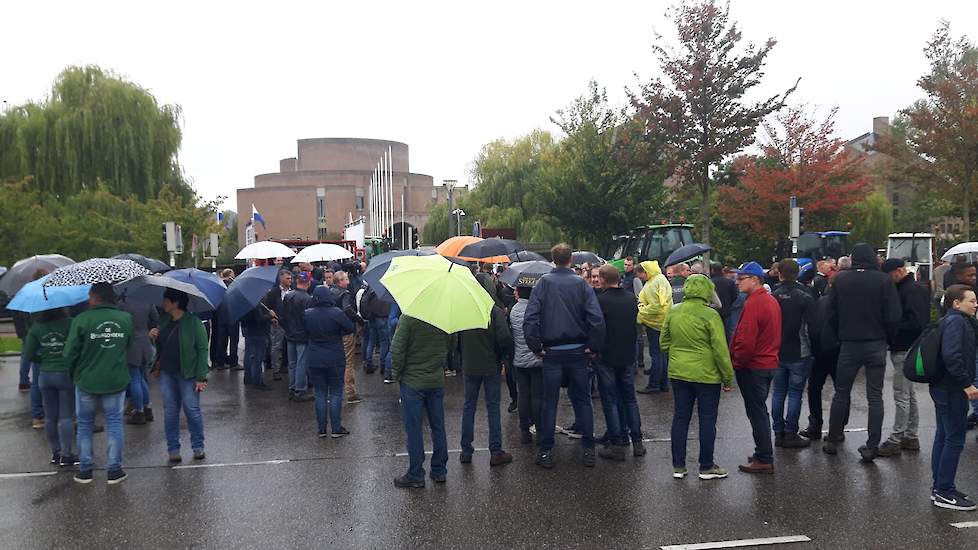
(170, 236)
(801, 220)
(415, 241)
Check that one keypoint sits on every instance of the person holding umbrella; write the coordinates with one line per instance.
(182, 349)
(95, 353)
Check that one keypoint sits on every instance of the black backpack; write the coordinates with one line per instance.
(923, 362)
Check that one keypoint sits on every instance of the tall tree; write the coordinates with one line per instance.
(800, 157)
(873, 219)
(95, 128)
(700, 105)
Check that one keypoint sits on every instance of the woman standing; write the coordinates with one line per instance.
(326, 325)
(44, 344)
(951, 395)
(699, 367)
(181, 344)
(528, 369)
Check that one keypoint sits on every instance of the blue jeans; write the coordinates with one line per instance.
(573, 365)
(255, 348)
(138, 388)
(112, 405)
(755, 384)
(58, 394)
(659, 362)
(952, 424)
(414, 405)
(298, 373)
(706, 398)
(789, 382)
(32, 369)
(365, 339)
(617, 388)
(380, 338)
(472, 385)
(181, 393)
(328, 384)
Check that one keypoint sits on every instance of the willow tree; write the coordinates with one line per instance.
(95, 128)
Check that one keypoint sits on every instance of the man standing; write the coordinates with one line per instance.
(864, 308)
(914, 317)
(632, 283)
(654, 302)
(754, 354)
(229, 332)
(773, 277)
(798, 320)
(96, 355)
(294, 307)
(255, 326)
(418, 355)
(274, 300)
(616, 376)
(726, 291)
(680, 272)
(344, 300)
(563, 325)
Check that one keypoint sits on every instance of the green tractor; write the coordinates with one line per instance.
(650, 242)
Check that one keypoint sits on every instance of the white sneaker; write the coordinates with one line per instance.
(533, 429)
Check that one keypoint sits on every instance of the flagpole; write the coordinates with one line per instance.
(373, 203)
(390, 192)
(370, 200)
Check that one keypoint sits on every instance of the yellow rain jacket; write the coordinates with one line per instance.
(655, 300)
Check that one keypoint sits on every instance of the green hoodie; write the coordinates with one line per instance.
(45, 344)
(693, 336)
(655, 300)
(193, 346)
(96, 349)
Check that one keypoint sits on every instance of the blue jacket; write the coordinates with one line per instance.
(326, 325)
(563, 310)
(957, 351)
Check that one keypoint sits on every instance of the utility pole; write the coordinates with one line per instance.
(450, 185)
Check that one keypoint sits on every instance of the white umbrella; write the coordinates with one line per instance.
(323, 252)
(963, 248)
(264, 250)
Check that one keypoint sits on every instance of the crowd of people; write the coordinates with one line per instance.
(778, 333)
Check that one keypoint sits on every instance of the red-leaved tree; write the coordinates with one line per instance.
(799, 157)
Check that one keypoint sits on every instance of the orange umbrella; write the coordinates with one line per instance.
(453, 245)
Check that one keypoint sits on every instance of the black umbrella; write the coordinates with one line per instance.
(526, 256)
(582, 256)
(154, 266)
(378, 265)
(687, 252)
(525, 273)
(23, 271)
(489, 248)
(149, 289)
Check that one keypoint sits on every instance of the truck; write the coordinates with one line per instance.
(649, 242)
(917, 249)
(818, 245)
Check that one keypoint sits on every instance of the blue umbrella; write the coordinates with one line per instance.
(247, 290)
(378, 267)
(687, 252)
(33, 297)
(210, 284)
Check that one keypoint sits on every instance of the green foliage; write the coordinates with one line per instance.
(436, 229)
(872, 220)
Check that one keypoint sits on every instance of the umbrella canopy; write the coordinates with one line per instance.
(687, 252)
(490, 250)
(96, 270)
(525, 273)
(453, 245)
(438, 292)
(263, 250)
(962, 248)
(33, 297)
(3, 270)
(154, 266)
(526, 256)
(23, 271)
(584, 256)
(322, 252)
(378, 267)
(210, 284)
(247, 290)
(149, 289)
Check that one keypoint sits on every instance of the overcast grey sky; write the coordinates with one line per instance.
(444, 77)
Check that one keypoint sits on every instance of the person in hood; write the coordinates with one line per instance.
(864, 309)
(699, 368)
(754, 353)
(654, 302)
(326, 326)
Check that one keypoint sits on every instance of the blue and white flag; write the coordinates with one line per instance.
(256, 217)
(220, 217)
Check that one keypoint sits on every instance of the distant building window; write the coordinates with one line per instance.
(896, 199)
(359, 203)
(957, 228)
(896, 212)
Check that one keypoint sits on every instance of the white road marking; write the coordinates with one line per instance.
(853, 430)
(27, 474)
(221, 465)
(738, 543)
(965, 524)
(450, 451)
(657, 439)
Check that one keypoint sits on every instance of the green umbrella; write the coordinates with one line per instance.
(438, 292)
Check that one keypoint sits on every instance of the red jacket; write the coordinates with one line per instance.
(757, 340)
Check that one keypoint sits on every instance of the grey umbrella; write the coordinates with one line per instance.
(23, 271)
(149, 289)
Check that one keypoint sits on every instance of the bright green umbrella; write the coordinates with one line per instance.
(438, 292)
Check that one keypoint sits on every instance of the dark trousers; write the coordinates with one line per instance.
(824, 367)
(706, 398)
(224, 344)
(852, 357)
(472, 386)
(511, 385)
(952, 423)
(617, 387)
(754, 386)
(659, 366)
(529, 396)
(556, 365)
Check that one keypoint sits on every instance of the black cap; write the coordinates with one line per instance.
(892, 264)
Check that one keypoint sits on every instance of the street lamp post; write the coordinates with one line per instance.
(458, 212)
(450, 186)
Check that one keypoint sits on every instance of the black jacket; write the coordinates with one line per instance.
(563, 310)
(293, 309)
(344, 301)
(372, 307)
(798, 321)
(864, 305)
(823, 336)
(915, 312)
(256, 322)
(957, 351)
(727, 292)
(485, 349)
(274, 300)
(620, 309)
(820, 284)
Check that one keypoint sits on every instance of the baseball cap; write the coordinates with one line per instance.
(892, 264)
(751, 268)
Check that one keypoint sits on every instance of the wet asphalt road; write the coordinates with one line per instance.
(338, 493)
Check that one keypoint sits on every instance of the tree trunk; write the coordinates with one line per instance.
(705, 213)
(967, 206)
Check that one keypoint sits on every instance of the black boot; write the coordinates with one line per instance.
(812, 433)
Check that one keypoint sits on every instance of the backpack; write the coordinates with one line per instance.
(923, 362)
